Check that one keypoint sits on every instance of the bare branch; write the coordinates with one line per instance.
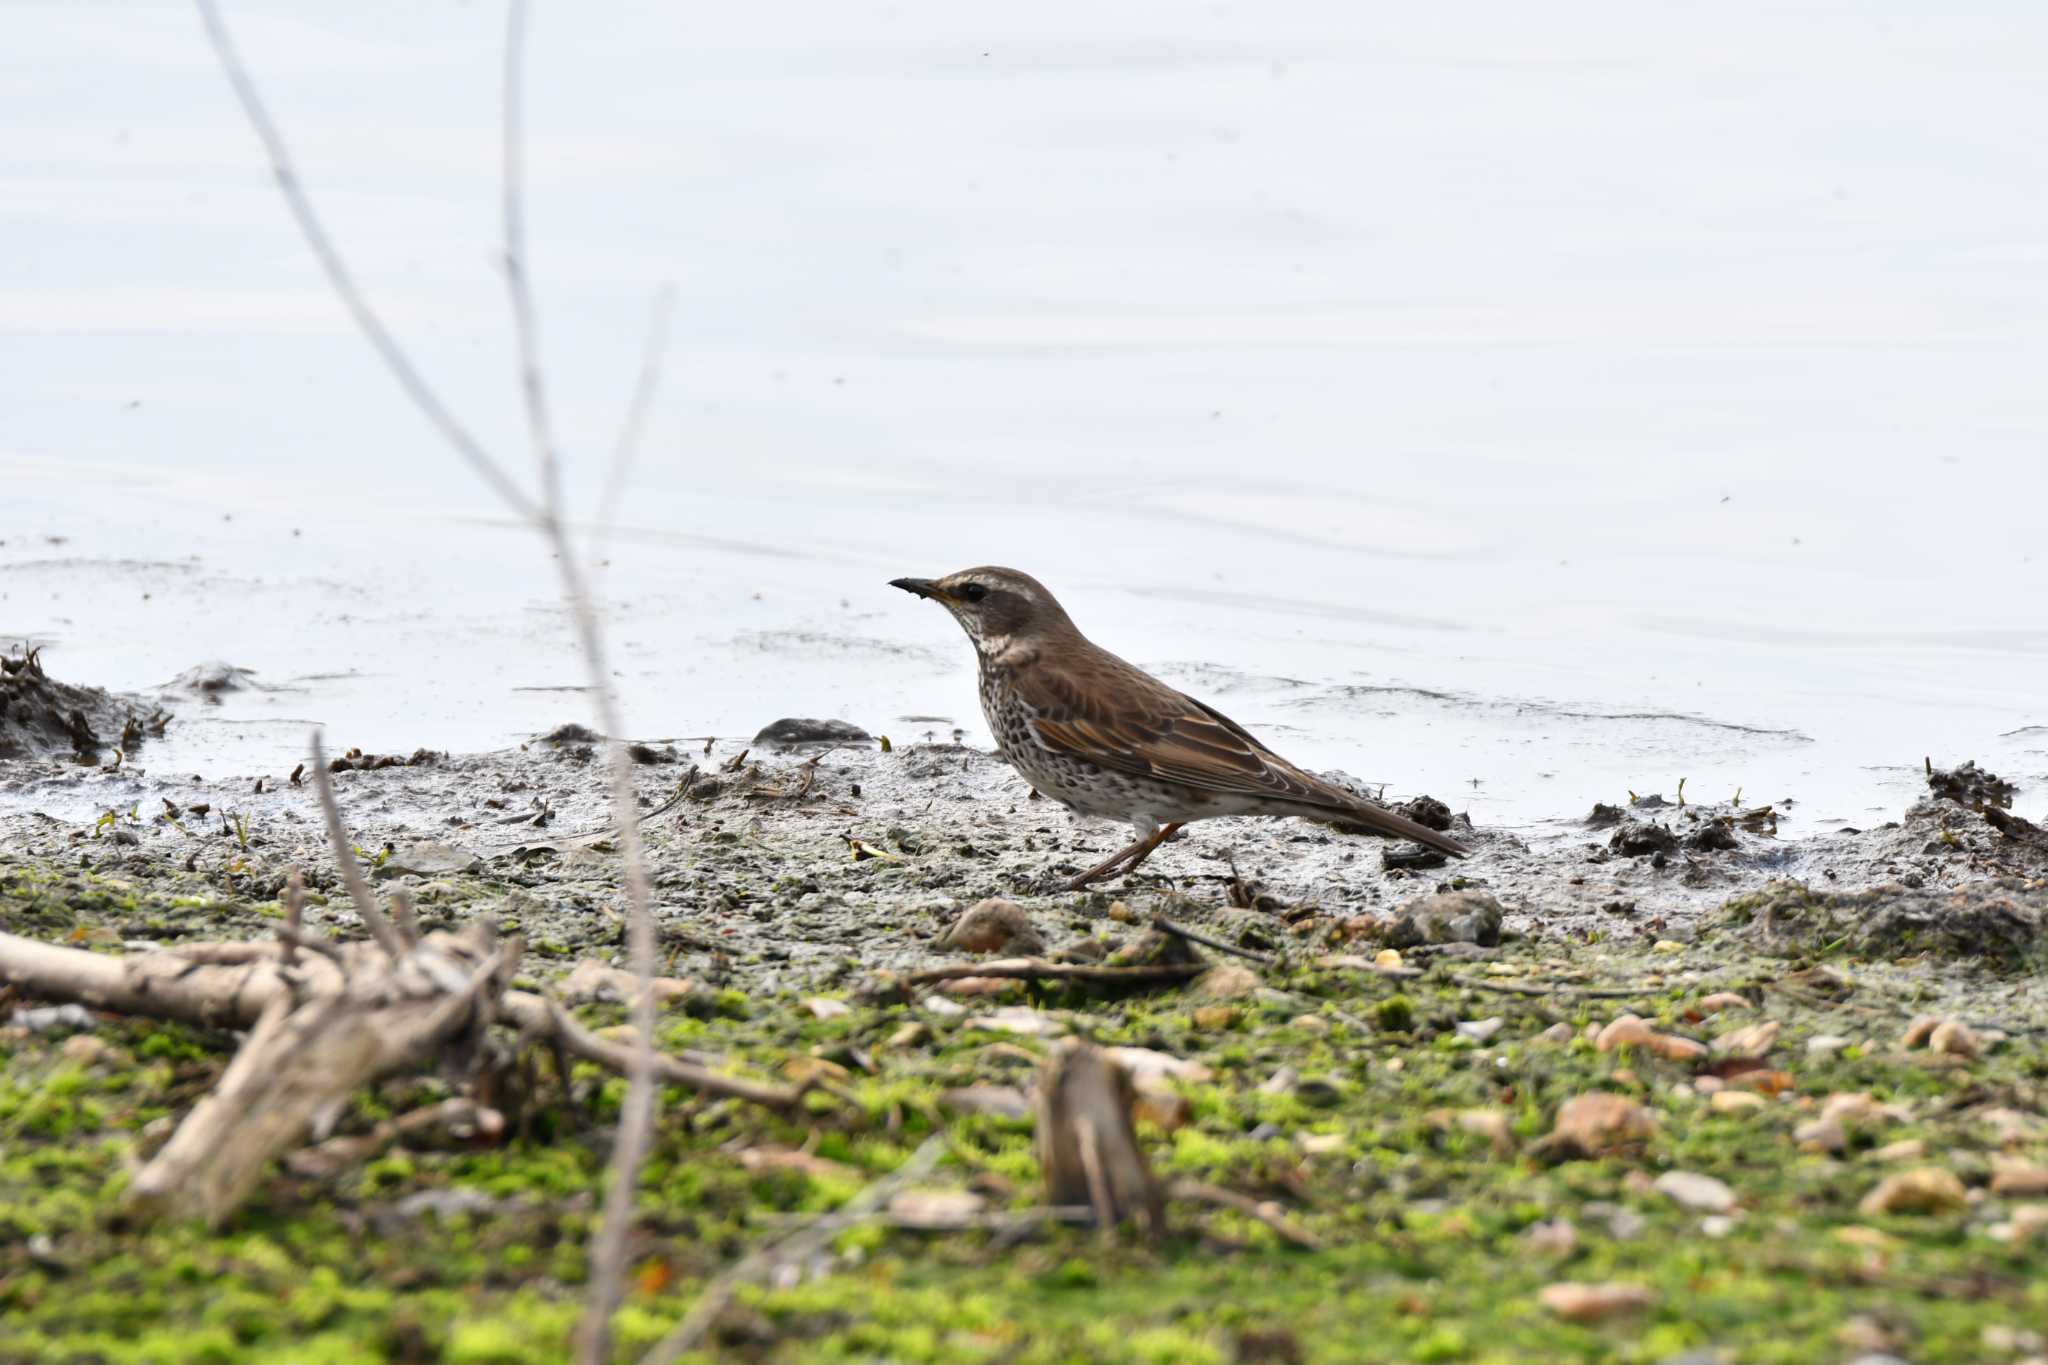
(342, 279)
(345, 858)
(628, 444)
(525, 327)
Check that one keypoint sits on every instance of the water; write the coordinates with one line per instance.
(1522, 407)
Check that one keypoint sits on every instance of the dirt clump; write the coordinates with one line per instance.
(2000, 923)
(43, 718)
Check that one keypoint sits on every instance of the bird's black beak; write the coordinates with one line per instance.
(923, 587)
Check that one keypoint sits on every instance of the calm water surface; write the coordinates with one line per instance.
(1520, 407)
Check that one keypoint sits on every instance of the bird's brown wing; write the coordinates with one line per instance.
(1129, 722)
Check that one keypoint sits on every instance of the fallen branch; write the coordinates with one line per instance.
(1480, 983)
(305, 1057)
(340, 1154)
(229, 985)
(1038, 969)
(1201, 1192)
(1167, 926)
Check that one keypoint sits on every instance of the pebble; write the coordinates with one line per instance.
(994, 926)
(1736, 1101)
(1480, 1030)
(1924, 1189)
(1691, 1190)
(1722, 1000)
(1225, 981)
(1600, 1121)
(2008, 1175)
(1954, 1038)
(89, 1049)
(1747, 1044)
(1826, 1044)
(1906, 1149)
(1310, 1023)
(1595, 1302)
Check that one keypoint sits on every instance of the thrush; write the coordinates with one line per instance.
(1105, 738)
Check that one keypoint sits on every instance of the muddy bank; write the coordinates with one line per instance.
(777, 866)
(1668, 1088)
(42, 718)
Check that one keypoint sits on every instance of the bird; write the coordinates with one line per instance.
(1105, 738)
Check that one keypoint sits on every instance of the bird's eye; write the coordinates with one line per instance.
(974, 592)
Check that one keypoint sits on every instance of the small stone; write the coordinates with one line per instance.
(1667, 945)
(1925, 1189)
(1722, 1000)
(88, 1049)
(1480, 1030)
(1553, 1239)
(1214, 1018)
(1121, 913)
(1598, 1122)
(1148, 1067)
(793, 732)
(1558, 1033)
(1630, 1031)
(1823, 1045)
(1281, 1082)
(1310, 1023)
(1320, 1144)
(1905, 1149)
(1691, 1190)
(1225, 981)
(1821, 1135)
(1747, 1044)
(1595, 1302)
(1447, 917)
(910, 1035)
(1387, 960)
(944, 1008)
(1718, 1225)
(1001, 1101)
(1954, 1038)
(935, 1209)
(994, 926)
(1491, 1124)
(1709, 1085)
(2008, 1175)
(594, 980)
(1358, 927)
(822, 1008)
(804, 1070)
(2028, 1224)
(1919, 1030)
(1736, 1101)
(1856, 1106)
(1019, 1019)
(2011, 1340)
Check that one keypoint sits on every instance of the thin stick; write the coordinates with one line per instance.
(1037, 969)
(1480, 983)
(345, 858)
(343, 281)
(636, 1119)
(1167, 926)
(1201, 1192)
(795, 1248)
(628, 444)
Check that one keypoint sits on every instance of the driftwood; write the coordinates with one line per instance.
(322, 1024)
(1087, 1147)
(308, 1053)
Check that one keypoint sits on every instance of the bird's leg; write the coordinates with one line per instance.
(1126, 860)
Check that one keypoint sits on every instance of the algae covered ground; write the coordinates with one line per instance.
(1706, 1095)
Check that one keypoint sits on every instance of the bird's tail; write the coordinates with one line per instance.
(1359, 816)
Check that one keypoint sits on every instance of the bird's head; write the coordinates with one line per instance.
(997, 608)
